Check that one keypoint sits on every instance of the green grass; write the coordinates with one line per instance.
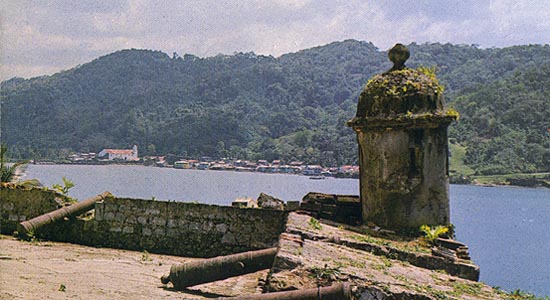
(456, 160)
(458, 167)
(315, 224)
(325, 273)
(502, 178)
(371, 240)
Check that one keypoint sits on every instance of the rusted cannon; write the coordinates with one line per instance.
(219, 268)
(338, 291)
(67, 211)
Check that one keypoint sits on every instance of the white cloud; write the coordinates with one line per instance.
(46, 36)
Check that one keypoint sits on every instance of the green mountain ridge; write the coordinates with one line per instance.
(292, 107)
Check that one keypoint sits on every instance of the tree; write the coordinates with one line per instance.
(7, 172)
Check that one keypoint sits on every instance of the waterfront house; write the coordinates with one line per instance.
(263, 162)
(296, 164)
(203, 166)
(312, 170)
(183, 164)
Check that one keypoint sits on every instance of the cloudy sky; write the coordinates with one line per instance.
(44, 37)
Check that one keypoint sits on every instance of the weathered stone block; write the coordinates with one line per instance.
(146, 231)
(158, 221)
(222, 228)
(194, 226)
(120, 216)
(292, 205)
(109, 216)
(207, 226)
(8, 206)
(228, 238)
(100, 206)
(115, 229)
(90, 226)
(128, 229)
(142, 220)
(110, 206)
(172, 223)
(152, 211)
(172, 232)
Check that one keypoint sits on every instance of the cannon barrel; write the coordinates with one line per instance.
(337, 291)
(219, 268)
(67, 211)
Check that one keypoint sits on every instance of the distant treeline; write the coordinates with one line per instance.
(293, 107)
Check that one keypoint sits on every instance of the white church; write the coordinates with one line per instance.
(120, 154)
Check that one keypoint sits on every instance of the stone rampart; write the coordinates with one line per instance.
(177, 228)
(20, 204)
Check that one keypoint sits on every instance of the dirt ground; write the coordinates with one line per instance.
(51, 270)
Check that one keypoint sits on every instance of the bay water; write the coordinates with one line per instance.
(506, 228)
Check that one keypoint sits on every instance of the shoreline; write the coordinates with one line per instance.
(519, 179)
(339, 175)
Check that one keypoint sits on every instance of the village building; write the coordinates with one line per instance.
(120, 154)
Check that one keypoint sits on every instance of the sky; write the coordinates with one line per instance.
(44, 37)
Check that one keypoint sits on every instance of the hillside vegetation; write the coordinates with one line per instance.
(293, 107)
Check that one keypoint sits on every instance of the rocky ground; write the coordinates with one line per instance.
(50, 270)
(311, 253)
(315, 253)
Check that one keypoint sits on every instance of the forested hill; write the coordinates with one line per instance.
(293, 107)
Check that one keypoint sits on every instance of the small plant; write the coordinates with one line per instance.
(371, 240)
(461, 288)
(387, 262)
(315, 224)
(523, 295)
(145, 256)
(30, 236)
(64, 189)
(326, 273)
(432, 234)
(62, 287)
(378, 267)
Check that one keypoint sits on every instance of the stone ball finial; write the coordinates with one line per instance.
(398, 55)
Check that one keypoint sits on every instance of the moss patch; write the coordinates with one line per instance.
(400, 92)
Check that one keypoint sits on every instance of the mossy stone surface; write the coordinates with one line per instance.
(396, 92)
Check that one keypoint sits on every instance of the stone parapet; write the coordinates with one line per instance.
(177, 228)
(19, 204)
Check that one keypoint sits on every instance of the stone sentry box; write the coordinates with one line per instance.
(401, 125)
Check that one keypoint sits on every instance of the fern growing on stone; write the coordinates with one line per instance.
(432, 234)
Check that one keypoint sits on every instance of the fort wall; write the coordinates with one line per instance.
(176, 228)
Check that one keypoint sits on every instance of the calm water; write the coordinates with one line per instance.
(506, 228)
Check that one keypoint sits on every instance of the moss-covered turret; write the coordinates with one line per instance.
(401, 124)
